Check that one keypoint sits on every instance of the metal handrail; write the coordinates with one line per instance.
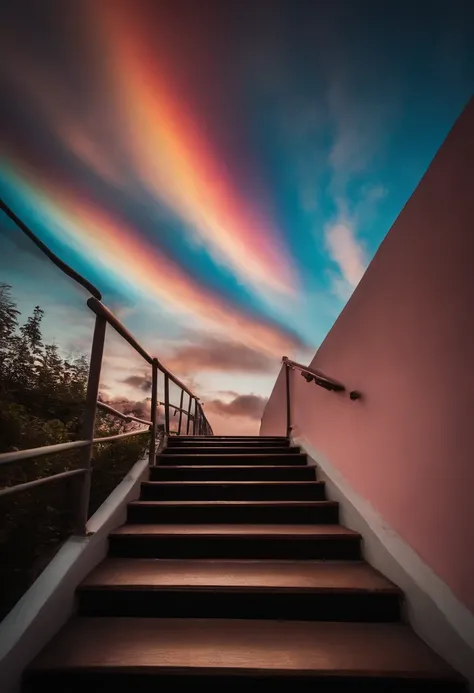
(104, 316)
(100, 309)
(49, 253)
(319, 378)
(18, 455)
(176, 409)
(310, 374)
(121, 415)
(43, 451)
(28, 485)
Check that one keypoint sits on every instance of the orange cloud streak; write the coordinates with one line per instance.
(177, 164)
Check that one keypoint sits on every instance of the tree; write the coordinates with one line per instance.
(42, 397)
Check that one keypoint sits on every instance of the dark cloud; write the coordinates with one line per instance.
(250, 406)
(141, 382)
(215, 355)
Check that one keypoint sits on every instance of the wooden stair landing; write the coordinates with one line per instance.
(232, 570)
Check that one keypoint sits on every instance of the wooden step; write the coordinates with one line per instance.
(203, 512)
(298, 590)
(219, 442)
(230, 438)
(110, 654)
(245, 541)
(296, 458)
(232, 490)
(229, 450)
(233, 473)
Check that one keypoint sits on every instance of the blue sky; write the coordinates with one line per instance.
(224, 182)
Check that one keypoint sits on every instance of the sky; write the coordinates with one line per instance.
(222, 171)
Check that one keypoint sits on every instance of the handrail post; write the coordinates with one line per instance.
(88, 425)
(195, 417)
(180, 412)
(288, 398)
(189, 415)
(167, 404)
(154, 405)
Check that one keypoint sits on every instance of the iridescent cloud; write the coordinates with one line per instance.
(92, 229)
(176, 161)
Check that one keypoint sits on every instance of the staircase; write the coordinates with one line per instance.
(233, 569)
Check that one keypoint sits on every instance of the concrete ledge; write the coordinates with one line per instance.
(431, 608)
(50, 601)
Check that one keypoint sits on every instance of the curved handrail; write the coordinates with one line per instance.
(319, 378)
(49, 253)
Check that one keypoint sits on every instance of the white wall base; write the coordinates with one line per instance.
(431, 608)
(50, 601)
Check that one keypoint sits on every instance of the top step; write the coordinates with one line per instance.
(227, 441)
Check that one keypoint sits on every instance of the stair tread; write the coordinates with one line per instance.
(216, 467)
(262, 530)
(244, 453)
(234, 483)
(229, 503)
(149, 573)
(236, 646)
(232, 450)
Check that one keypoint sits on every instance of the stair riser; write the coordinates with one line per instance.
(174, 443)
(229, 474)
(179, 603)
(240, 547)
(226, 439)
(206, 460)
(327, 514)
(233, 450)
(114, 681)
(245, 492)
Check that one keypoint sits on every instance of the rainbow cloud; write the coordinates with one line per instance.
(177, 164)
(90, 229)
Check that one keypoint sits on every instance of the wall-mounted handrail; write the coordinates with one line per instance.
(310, 374)
(49, 253)
(319, 378)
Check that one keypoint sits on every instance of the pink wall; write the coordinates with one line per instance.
(406, 341)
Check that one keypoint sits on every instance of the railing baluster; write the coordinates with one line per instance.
(189, 415)
(180, 412)
(154, 405)
(195, 417)
(88, 426)
(288, 400)
(167, 404)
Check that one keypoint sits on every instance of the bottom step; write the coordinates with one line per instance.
(106, 654)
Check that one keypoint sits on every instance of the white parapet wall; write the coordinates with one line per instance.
(50, 601)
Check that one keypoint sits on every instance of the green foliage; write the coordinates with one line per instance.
(42, 397)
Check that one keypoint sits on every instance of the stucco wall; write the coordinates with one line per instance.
(406, 341)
